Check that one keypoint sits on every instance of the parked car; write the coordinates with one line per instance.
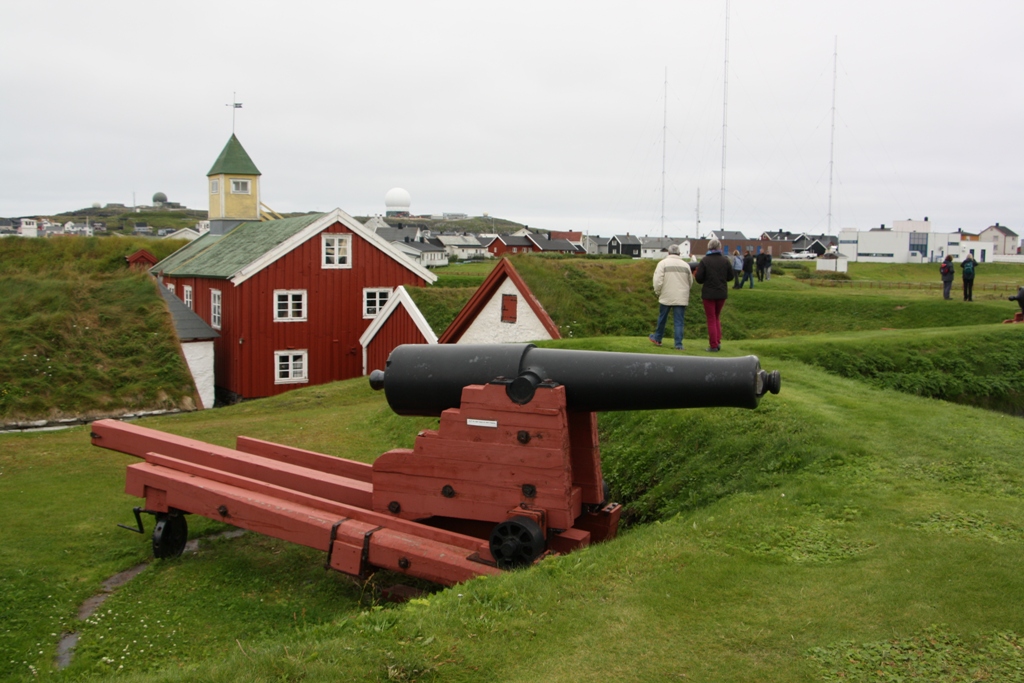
(798, 255)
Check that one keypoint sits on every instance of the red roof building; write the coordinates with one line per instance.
(290, 298)
(502, 310)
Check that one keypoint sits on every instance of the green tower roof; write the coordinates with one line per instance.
(234, 159)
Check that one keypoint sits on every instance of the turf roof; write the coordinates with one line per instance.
(234, 159)
(221, 256)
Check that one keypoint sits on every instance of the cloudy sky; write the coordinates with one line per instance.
(546, 113)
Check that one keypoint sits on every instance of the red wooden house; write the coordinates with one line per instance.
(511, 244)
(399, 322)
(140, 260)
(290, 298)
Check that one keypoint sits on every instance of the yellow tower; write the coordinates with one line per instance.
(234, 185)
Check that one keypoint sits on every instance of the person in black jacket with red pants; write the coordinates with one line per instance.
(715, 272)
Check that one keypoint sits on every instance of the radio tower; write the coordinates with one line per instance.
(725, 118)
(664, 138)
(832, 141)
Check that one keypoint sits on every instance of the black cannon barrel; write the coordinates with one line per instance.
(426, 379)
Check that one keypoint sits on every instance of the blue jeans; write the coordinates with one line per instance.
(747, 276)
(678, 321)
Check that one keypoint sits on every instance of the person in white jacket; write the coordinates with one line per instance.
(672, 282)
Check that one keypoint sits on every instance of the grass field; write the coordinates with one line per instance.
(843, 531)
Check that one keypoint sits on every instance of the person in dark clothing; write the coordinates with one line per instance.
(748, 270)
(1019, 298)
(946, 271)
(715, 272)
(768, 266)
(760, 266)
(967, 270)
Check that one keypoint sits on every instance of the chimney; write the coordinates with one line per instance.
(926, 219)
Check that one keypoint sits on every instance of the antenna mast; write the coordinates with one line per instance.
(697, 234)
(664, 138)
(725, 118)
(832, 141)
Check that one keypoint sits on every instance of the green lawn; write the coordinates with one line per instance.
(846, 530)
(836, 531)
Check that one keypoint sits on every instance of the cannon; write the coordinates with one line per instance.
(511, 474)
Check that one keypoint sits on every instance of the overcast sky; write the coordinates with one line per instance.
(546, 113)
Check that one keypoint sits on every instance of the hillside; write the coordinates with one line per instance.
(81, 335)
(837, 532)
(610, 296)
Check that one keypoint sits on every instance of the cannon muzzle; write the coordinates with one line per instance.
(427, 379)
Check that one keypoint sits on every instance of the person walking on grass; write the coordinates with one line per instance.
(715, 272)
(760, 262)
(967, 270)
(748, 269)
(672, 282)
(768, 265)
(737, 265)
(946, 271)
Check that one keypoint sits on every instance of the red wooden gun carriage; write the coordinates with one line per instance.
(512, 473)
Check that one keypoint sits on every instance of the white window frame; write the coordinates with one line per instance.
(186, 295)
(215, 308)
(374, 293)
(295, 372)
(215, 186)
(290, 316)
(337, 239)
(238, 183)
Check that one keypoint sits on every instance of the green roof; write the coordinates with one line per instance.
(234, 159)
(221, 256)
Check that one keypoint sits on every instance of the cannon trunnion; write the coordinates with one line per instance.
(513, 471)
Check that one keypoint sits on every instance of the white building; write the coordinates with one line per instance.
(28, 228)
(463, 247)
(899, 246)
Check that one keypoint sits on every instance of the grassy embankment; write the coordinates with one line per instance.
(80, 334)
(836, 531)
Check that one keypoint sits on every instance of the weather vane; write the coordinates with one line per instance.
(234, 105)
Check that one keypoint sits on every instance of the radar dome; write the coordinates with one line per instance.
(397, 200)
(95, 205)
(159, 198)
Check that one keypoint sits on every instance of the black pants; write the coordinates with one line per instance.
(969, 289)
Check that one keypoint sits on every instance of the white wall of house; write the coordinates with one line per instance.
(199, 356)
(488, 328)
(890, 246)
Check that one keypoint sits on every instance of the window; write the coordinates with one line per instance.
(509, 308)
(373, 301)
(290, 367)
(289, 305)
(239, 186)
(214, 186)
(215, 309)
(337, 251)
(186, 295)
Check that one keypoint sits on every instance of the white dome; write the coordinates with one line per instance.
(397, 199)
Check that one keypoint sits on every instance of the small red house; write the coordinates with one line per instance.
(399, 322)
(290, 298)
(141, 260)
(511, 244)
(502, 310)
